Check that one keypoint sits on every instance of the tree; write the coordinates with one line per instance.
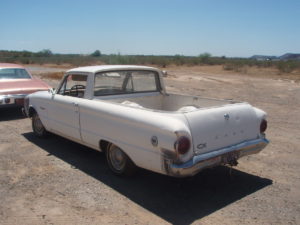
(25, 53)
(205, 55)
(96, 53)
(45, 53)
(204, 58)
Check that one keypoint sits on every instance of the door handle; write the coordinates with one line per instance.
(75, 104)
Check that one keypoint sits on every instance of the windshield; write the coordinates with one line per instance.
(125, 82)
(14, 73)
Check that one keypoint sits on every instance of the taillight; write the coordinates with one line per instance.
(182, 145)
(20, 101)
(263, 126)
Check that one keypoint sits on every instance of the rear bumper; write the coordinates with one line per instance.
(215, 158)
(7, 101)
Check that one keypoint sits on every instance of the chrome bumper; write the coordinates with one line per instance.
(214, 158)
(10, 100)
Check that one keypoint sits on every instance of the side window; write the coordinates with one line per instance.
(73, 85)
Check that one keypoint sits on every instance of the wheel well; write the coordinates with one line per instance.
(31, 111)
(103, 145)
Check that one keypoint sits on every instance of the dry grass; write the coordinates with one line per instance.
(253, 71)
(53, 75)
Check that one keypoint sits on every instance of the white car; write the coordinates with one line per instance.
(126, 112)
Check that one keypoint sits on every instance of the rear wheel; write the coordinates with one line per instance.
(119, 163)
(37, 126)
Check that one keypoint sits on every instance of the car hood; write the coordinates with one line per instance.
(22, 86)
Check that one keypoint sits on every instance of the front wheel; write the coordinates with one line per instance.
(119, 163)
(37, 126)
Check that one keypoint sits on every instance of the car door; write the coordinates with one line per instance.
(64, 112)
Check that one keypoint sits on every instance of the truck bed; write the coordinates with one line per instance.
(167, 102)
(222, 123)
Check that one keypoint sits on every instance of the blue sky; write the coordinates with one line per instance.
(157, 27)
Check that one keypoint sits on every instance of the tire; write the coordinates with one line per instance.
(37, 126)
(119, 163)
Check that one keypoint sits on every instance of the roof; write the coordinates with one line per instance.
(10, 65)
(95, 69)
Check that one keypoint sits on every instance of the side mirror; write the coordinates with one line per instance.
(52, 91)
(165, 73)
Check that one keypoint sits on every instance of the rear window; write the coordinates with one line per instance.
(14, 73)
(125, 82)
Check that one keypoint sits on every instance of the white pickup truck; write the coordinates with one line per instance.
(126, 112)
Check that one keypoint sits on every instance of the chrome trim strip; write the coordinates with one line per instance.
(16, 96)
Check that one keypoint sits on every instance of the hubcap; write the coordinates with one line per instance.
(38, 125)
(117, 158)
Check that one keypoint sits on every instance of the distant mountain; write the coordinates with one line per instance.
(290, 56)
(287, 56)
(263, 57)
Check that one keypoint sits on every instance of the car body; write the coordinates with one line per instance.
(15, 83)
(126, 112)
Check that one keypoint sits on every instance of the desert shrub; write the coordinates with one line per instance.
(25, 60)
(228, 66)
(237, 66)
(287, 66)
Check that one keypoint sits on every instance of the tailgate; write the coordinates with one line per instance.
(215, 128)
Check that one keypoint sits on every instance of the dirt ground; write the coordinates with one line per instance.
(56, 181)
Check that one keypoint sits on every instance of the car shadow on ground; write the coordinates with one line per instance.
(178, 201)
(11, 114)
